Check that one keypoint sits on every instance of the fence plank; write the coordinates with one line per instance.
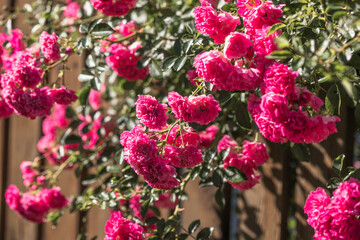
(96, 222)
(260, 209)
(2, 176)
(24, 134)
(69, 184)
(201, 205)
(314, 174)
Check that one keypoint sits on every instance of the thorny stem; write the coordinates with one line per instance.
(59, 170)
(182, 190)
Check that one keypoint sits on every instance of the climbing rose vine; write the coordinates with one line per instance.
(174, 91)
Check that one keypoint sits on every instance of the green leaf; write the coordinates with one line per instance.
(160, 226)
(333, 100)
(113, 169)
(220, 198)
(193, 226)
(281, 54)
(242, 115)
(235, 175)
(275, 27)
(145, 208)
(217, 178)
(347, 173)
(89, 179)
(102, 30)
(301, 152)
(151, 220)
(333, 183)
(93, 24)
(337, 15)
(72, 139)
(83, 28)
(204, 234)
(179, 63)
(85, 77)
(84, 95)
(143, 62)
(224, 153)
(355, 174)
(231, 7)
(187, 45)
(155, 71)
(337, 164)
(168, 63)
(177, 47)
(119, 156)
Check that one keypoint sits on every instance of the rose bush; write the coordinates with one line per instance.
(178, 90)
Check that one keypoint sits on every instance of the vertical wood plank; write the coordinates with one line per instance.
(24, 134)
(96, 222)
(314, 174)
(67, 227)
(260, 208)
(201, 205)
(2, 176)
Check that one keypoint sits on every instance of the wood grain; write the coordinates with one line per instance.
(260, 208)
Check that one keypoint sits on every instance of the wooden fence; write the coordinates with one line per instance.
(263, 212)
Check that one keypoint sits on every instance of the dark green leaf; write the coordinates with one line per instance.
(151, 220)
(143, 62)
(193, 226)
(160, 227)
(93, 24)
(187, 45)
(347, 173)
(333, 183)
(217, 178)
(189, 29)
(224, 154)
(89, 179)
(83, 28)
(177, 47)
(235, 175)
(119, 156)
(338, 164)
(275, 27)
(84, 95)
(113, 169)
(179, 63)
(355, 174)
(102, 30)
(337, 15)
(301, 152)
(242, 115)
(333, 100)
(204, 234)
(281, 54)
(155, 71)
(154, 238)
(145, 208)
(231, 7)
(72, 139)
(168, 63)
(169, 235)
(220, 198)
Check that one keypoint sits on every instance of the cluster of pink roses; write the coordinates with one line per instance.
(281, 114)
(19, 91)
(122, 57)
(34, 206)
(253, 154)
(181, 147)
(216, 67)
(336, 218)
(50, 126)
(113, 8)
(120, 228)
